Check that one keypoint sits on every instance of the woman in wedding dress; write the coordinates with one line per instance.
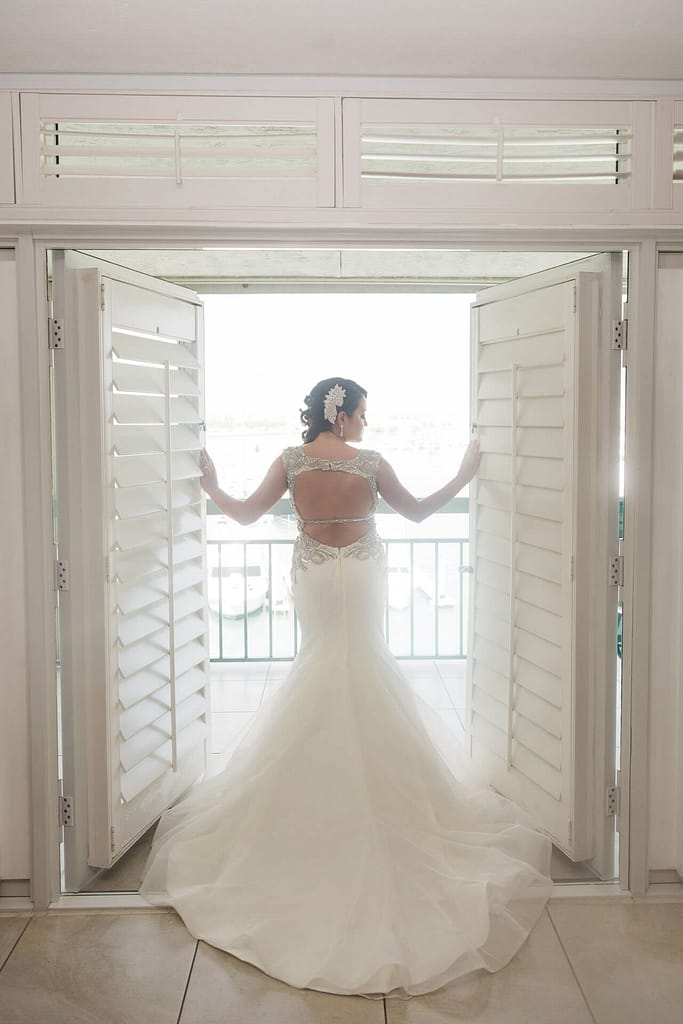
(345, 847)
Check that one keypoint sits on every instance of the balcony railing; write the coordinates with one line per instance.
(253, 617)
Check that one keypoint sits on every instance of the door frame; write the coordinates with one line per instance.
(32, 249)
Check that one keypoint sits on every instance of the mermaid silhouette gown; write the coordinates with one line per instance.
(344, 846)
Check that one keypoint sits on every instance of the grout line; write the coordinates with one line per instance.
(384, 1004)
(187, 983)
(571, 966)
(18, 940)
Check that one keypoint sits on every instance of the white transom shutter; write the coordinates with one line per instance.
(538, 537)
(146, 636)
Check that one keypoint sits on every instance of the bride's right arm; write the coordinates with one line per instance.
(244, 510)
(417, 509)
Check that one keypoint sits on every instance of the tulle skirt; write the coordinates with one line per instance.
(345, 846)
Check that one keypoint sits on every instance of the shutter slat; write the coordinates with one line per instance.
(188, 575)
(539, 652)
(144, 683)
(188, 601)
(146, 773)
(192, 681)
(144, 378)
(540, 593)
(189, 628)
(494, 711)
(133, 565)
(187, 520)
(132, 720)
(143, 652)
(540, 742)
(541, 712)
(187, 548)
(189, 656)
(131, 502)
(142, 624)
(150, 350)
(537, 771)
(136, 596)
(540, 623)
(144, 743)
(540, 682)
(131, 471)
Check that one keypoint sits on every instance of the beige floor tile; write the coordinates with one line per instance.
(452, 668)
(227, 728)
(239, 669)
(224, 989)
(628, 958)
(537, 987)
(272, 685)
(432, 690)
(419, 669)
(97, 969)
(453, 721)
(455, 687)
(236, 694)
(10, 930)
(278, 669)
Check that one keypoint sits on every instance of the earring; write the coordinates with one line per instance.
(341, 430)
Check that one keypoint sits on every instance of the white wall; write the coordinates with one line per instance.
(666, 666)
(14, 751)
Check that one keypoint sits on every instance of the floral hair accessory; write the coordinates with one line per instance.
(333, 399)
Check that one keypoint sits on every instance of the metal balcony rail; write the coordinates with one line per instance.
(253, 617)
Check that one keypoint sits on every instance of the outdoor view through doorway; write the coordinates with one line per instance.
(411, 352)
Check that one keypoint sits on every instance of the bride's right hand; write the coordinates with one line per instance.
(470, 462)
(209, 478)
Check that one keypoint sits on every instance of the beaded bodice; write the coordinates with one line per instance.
(308, 550)
(364, 464)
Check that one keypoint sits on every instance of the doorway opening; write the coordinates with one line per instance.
(427, 612)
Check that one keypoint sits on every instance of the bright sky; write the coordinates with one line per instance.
(409, 350)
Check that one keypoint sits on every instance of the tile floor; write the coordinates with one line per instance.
(584, 963)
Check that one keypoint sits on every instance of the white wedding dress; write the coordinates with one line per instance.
(343, 847)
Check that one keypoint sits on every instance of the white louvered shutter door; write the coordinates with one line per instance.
(146, 639)
(537, 529)
(153, 408)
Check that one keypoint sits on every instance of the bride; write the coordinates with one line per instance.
(345, 846)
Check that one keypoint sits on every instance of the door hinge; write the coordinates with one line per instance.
(113, 840)
(55, 332)
(620, 335)
(61, 575)
(613, 801)
(615, 571)
(66, 811)
(102, 297)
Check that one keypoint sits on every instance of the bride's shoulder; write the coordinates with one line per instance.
(292, 453)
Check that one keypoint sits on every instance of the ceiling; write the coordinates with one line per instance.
(613, 39)
(225, 268)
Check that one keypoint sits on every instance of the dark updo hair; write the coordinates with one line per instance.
(313, 416)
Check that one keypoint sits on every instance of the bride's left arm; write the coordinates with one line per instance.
(417, 509)
(244, 510)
